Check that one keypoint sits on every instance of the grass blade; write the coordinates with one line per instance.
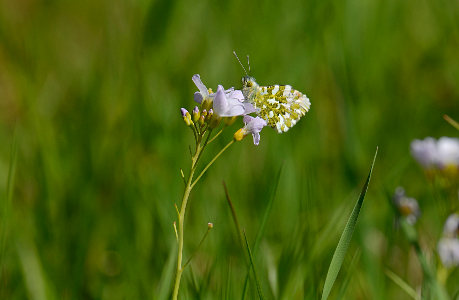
(345, 239)
(349, 274)
(233, 214)
(267, 212)
(402, 284)
(260, 293)
(8, 199)
(451, 121)
(263, 225)
(163, 291)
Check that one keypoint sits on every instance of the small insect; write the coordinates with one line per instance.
(280, 106)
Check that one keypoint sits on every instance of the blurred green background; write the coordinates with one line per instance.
(91, 92)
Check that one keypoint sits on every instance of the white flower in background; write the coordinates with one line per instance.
(451, 228)
(448, 246)
(407, 207)
(440, 154)
(448, 249)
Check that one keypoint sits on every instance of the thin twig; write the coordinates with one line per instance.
(199, 246)
(215, 136)
(211, 162)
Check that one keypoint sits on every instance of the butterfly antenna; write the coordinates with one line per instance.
(248, 62)
(234, 52)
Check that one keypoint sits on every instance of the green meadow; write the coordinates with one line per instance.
(92, 143)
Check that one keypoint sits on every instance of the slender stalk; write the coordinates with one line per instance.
(181, 213)
(181, 219)
(197, 248)
(211, 162)
(215, 136)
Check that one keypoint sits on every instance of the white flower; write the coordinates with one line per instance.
(406, 206)
(448, 152)
(451, 228)
(226, 103)
(448, 246)
(252, 126)
(448, 250)
(231, 103)
(436, 154)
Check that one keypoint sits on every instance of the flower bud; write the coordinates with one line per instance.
(240, 134)
(186, 116)
(209, 114)
(202, 120)
(196, 114)
(210, 225)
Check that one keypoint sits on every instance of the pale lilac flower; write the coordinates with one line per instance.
(448, 246)
(425, 151)
(252, 126)
(226, 103)
(448, 250)
(406, 206)
(436, 154)
(451, 228)
(203, 92)
(230, 104)
(448, 152)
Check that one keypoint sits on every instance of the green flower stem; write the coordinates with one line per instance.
(181, 215)
(215, 136)
(181, 218)
(211, 162)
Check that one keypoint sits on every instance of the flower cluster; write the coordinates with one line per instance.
(223, 105)
(432, 154)
(407, 207)
(448, 246)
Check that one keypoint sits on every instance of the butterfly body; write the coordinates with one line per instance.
(280, 106)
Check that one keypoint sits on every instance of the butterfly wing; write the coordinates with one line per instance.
(281, 106)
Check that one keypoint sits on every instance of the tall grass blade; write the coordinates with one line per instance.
(233, 214)
(167, 275)
(344, 241)
(7, 202)
(228, 283)
(402, 284)
(267, 212)
(349, 274)
(263, 225)
(260, 293)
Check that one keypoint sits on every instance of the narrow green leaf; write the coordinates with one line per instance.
(344, 241)
(260, 293)
(402, 284)
(8, 199)
(167, 275)
(263, 225)
(228, 283)
(349, 274)
(451, 121)
(267, 211)
(233, 214)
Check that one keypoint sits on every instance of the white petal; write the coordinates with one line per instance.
(220, 104)
(201, 87)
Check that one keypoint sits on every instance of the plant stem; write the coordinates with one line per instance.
(211, 162)
(181, 219)
(181, 215)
